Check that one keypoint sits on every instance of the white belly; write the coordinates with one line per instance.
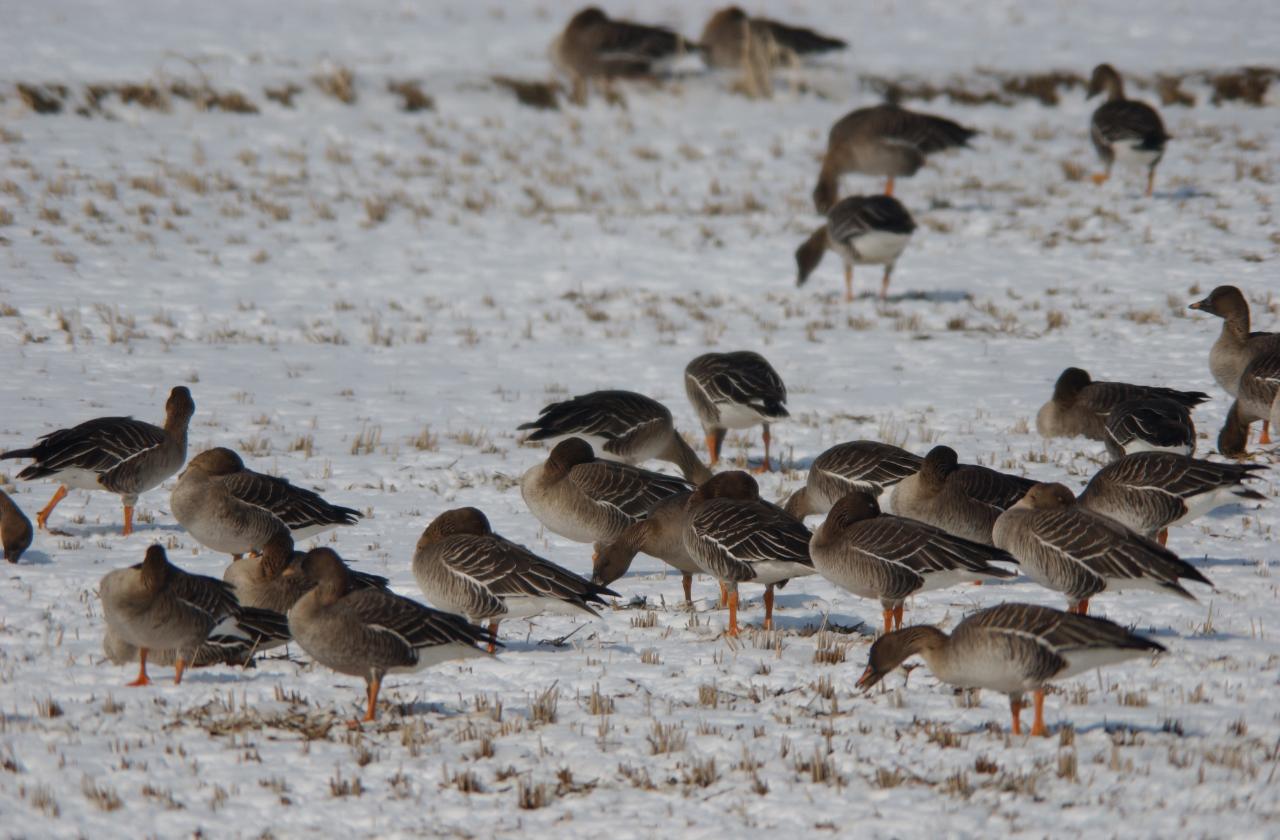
(773, 571)
(1140, 445)
(527, 606)
(738, 416)
(1128, 155)
(77, 479)
(310, 531)
(441, 653)
(879, 247)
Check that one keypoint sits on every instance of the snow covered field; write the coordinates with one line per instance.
(370, 301)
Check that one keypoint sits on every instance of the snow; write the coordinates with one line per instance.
(385, 360)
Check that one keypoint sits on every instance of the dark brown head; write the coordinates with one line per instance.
(466, 520)
(851, 509)
(1225, 302)
(892, 649)
(277, 552)
(809, 255)
(940, 462)
(218, 461)
(1234, 437)
(568, 453)
(326, 569)
(1106, 78)
(155, 569)
(734, 484)
(1047, 497)
(589, 16)
(178, 408)
(611, 561)
(1069, 385)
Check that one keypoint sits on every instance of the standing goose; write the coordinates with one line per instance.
(963, 500)
(1256, 399)
(865, 465)
(1080, 407)
(213, 515)
(890, 558)
(119, 454)
(1011, 648)
(735, 391)
(863, 230)
(730, 34)
(594, 46)
(620, 426)
(660, 534)
(273, 580)
(1153, 491)
(1124, 129)
(1149, 424)
(370, 633)
(883, 140)
(463, 567)
(1064, 547)
(736, 537)
(15, 529)
(1236, 345)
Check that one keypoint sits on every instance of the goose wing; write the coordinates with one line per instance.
(297, 507)
(95, 445)
(397, 622)
(630, 490)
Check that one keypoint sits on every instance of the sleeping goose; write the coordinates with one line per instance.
(1124, 130)
(261, 580)
(1010, 648)
(890, 558)
(119, 454)
(15, 529)
(1236, 345)
(727, 38)
(866, 465)
(735, 391)
(962, 499)
(660, 534)
(620, 426)
(1080, 406)
(213, 515)
(1256, 399)
(1149, 424)
(1072, 550)
(595, 47)
(863, 230)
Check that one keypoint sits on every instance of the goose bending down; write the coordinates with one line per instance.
(1149, 424)
(595, 47)
(1124, 130)
(620, 426)
(204, 504)
(863, 230)
(1080, 406)
(15, 529)
(1151, 492)
(273, 580)
(234, 643)
(118, 454)
(1065, 547)
(463, 567)
(865, 465)
(1258, 398)
(370, 633)
(660, 534)
(735, 391)
(890, 558)
(962, 499)
(736, 537)
(883, 140)
(1010, 648)
(728, 38)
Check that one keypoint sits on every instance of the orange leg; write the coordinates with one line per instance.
(724, 596)
(43, 516)
(1037, 726)
(180, 666)
(128, 520)
(713, 448)
(733, 613)
(1151, 182)
(493, 631)
(1265, 437)
(1100, 177)
(848, 283)
(888, 186)
(142, 669)
(1163, 536)
(372, 713)
(765, 467)
(1015, 708)
(897, 617)
(768, 607)
(687, 581)
(884, 282)
(1082, 608)
(888, 620)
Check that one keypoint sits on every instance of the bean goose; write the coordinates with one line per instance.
(595, 47)
(889, 558)
(1080, 406)
(15, 529)
(1010, 648)
(214, 516)
(735, 391)
(118, 454)
(1152, 491)
(863, 230)
(463, 567)
(1256, 399)
(1149, 424)
(962, 499)
(1124, 130)
(235, 644)
(620, 426)
(1072, 550)
(731, 38)
(736, 537)
(261, 580)
(660, 534)
(865, 465)
(883, 140)
(370, 633)
(1236, 345)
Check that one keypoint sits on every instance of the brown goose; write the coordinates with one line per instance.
(883, 140)
(1256, 399)
(865, 465)
(1150, 424)
(595, 47)
(620, 426)
(15, 529)
(1236, 345)
(1064, 547)
(1124, 130)
(965, 500)
(1011, 648)
(727, 38)
(119, 454)
(214, 516)
(261, 581)
(660, 534)
(890, 558)
(1080, 406)
(735, 391)
(863, 230)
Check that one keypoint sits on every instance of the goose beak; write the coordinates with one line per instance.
(1200, 304)
(869, 678)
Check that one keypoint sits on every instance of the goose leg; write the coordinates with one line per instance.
(493, 631)
(686, 581)
(128, 520)
(43, 516)
(1163, 536)
(371, 713)
(848, 282)
(888, 620)
(1080, 608)
(724, 596)
(1037, 726)
(765, 467)
(1101, 177)
(733, 612)
(142, 669)
(180, 667)
(884, 282)
(1015, 708)
(897, 617)
(888, 186)
(768, 607)
(1151, 181)
(1265, 437)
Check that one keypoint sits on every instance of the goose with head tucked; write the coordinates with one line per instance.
(965, 500)
(594, 47)
(866, 465)
(214, 516)
(732, 38)
(1149, 424)
(1080, 406)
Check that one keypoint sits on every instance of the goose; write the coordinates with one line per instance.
(889, 558)
(1149, 424)
(213, 515)
(1065, 547)
(962, 499)
(15, 529)
(260, 580)
(1152, 491)
(594, 46)
(1080, 406)
(1256, 399)
(118, 454)
(736, 537)
(727, 39)
(735, 391)
(620, 426)
(660, 534)
(863, 230)
(370, 633)
(1236, 345)
(1011, 648)
(883, 140)
(236, 643)
(1124, 129)
(463, 567)
(866, 465)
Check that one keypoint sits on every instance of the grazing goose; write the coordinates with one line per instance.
(463, 567)
(736, 537)
(587, 499)
(1079, 406)
(963, 500)
(1149, 424)
(234, 643)
(865, 465)
(620, 426)
(1011, 648)
(863, 230)
(1236, 345)
(15, 529)
(730, 34)
(261, 580)
(594, 46)
(1124, 129)
(890, 558)
(119, 454)
(660, 534)
(157, 606)
(1153, 491)
(1064, 547)
(1256, 399)
(735, 391)
(883, 140)
(370, 633)
(213, 515)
